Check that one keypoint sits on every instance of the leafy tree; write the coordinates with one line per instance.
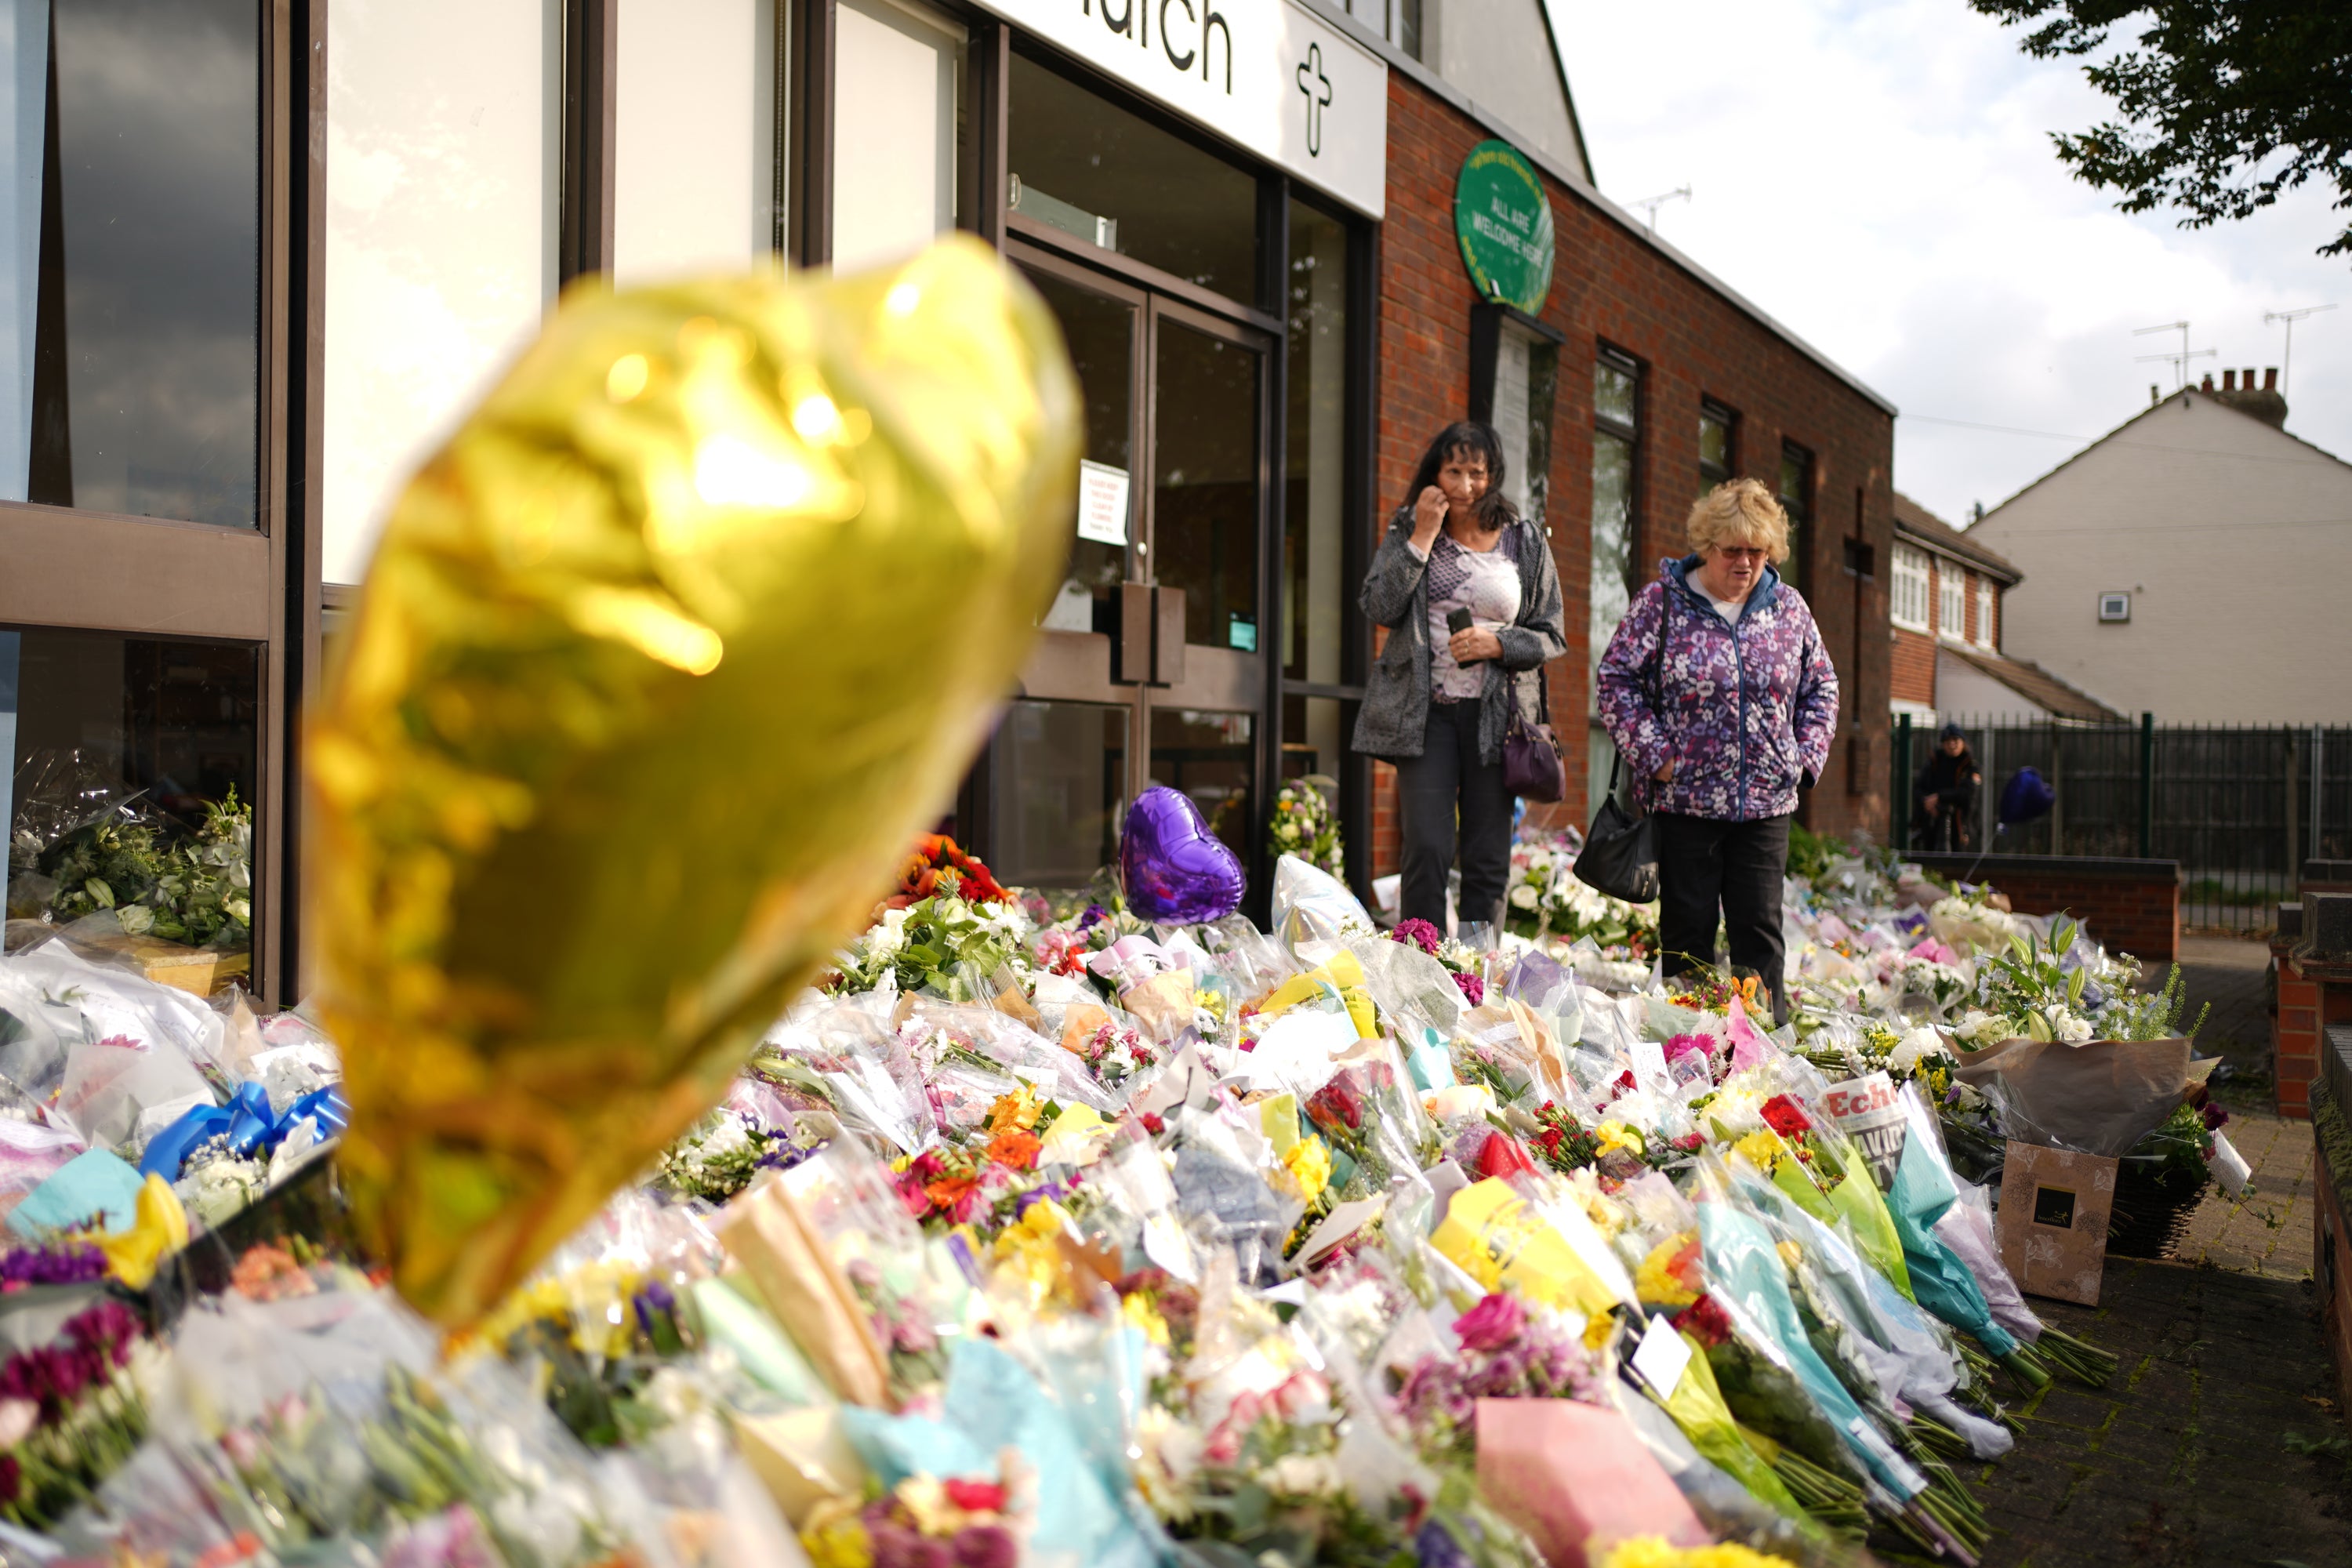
(2225, 103)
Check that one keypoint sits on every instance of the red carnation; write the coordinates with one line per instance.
(1786, 1117)
(1704, 1321)
(975, 1497)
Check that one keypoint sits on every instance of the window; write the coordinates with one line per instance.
(1090, 169)
(1716, 454)
(694, 138)
(894, 121)
(1796, 500)
(1952, 601)
(1984, 611)
(1616, 385)
(439, 265)
(2114, 608)
(1398, 21)
(1907, 600)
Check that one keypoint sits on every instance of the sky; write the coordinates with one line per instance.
(1879, 178)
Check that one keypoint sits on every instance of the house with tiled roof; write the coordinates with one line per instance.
(1945, 619)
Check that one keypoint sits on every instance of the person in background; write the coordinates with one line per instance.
(1946, 794)
(1470, 597)
(1722, 699)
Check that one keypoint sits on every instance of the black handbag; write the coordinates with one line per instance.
(1620, 851)
(1531, 763)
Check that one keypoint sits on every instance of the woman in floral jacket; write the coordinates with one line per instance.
(1723, 703)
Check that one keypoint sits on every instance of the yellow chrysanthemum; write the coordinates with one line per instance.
(1309, 1161)
(1655, 1280)
(1763, 1149)
(1655, 1552)
(1144, 1317)
(835, 1537)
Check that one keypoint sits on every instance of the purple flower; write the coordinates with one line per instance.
(1095, 914)
(1435, 1547)
(985, 1546)
(1492, 1324)
(63, 1263)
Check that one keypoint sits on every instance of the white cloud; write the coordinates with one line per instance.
(1880, 178)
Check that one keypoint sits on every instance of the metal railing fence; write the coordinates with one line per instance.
(2240, 807)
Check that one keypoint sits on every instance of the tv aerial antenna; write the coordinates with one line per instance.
(2179, 362)
(2286, 360)
(1651, 205)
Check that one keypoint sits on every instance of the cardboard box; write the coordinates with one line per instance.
(2053, 1224)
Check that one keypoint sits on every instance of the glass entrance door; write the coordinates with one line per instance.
(1176, 411)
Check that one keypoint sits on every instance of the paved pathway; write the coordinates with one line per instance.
(2218, 1441)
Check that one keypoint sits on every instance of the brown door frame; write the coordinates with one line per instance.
(166, 578)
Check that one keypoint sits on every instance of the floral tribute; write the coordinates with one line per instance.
(1303, 824)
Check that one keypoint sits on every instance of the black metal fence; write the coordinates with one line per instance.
(2241, 807)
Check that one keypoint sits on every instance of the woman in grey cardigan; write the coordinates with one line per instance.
(1457, 555)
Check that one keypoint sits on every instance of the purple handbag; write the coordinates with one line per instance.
(1532, 768)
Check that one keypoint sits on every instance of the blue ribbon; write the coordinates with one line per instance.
(249, 1123)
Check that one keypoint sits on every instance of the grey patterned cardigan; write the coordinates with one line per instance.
(1396, 714)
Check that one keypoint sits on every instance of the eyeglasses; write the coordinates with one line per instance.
(1742, 552)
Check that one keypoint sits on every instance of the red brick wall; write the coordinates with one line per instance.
(1911, 667)
(2294, 1041)
(2130, 905)
(1609, 285)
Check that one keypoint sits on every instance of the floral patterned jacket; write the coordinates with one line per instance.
(1745, 712)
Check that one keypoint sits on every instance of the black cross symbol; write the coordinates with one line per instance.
(1315, 106)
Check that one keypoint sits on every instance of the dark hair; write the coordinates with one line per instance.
(1471, 438)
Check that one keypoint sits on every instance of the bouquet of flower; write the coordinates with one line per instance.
(1303, 824)
(1547, 899)
(71, 1410)
(1461, 961)
(719, 1155)
(197, 890)
(938, 864)
(1507, 1353)
(938, 943)
(926, 1522)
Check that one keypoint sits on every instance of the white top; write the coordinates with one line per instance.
(1485, 581)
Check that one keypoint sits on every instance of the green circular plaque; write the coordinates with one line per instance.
(1504, 222)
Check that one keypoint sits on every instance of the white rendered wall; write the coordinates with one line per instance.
(2226, 533)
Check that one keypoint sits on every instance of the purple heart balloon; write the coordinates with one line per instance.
(1176, 872)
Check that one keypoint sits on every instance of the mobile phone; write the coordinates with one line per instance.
(1457, 619)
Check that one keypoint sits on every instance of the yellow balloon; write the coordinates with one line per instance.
(661, 662)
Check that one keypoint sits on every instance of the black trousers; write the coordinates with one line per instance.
(1447, 779)
(1729, 871)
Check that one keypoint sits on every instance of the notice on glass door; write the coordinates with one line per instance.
(1102, 503)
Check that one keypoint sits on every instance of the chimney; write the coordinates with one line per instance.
(2249, 383)
(2154, 396)
(2230, 380)
(2208, 384)
(2265, 403)
(2270, 378)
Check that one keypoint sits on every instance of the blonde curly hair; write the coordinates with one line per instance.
(1739, 512)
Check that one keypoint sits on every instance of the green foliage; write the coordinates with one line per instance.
(1809, 852)
(2224, 104)
(197, 889)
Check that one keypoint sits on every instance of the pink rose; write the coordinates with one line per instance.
(1492, 1324)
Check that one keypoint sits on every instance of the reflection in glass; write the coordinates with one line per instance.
(1714, 447)
(141, 731)
(1795, 493)
(1612, 393)
(1204, 484)
(1060, 773)
(1209, 757)
(1313, 591)
(1612, 536)
(1100, 333)
(146, 348)
(1087, 167)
